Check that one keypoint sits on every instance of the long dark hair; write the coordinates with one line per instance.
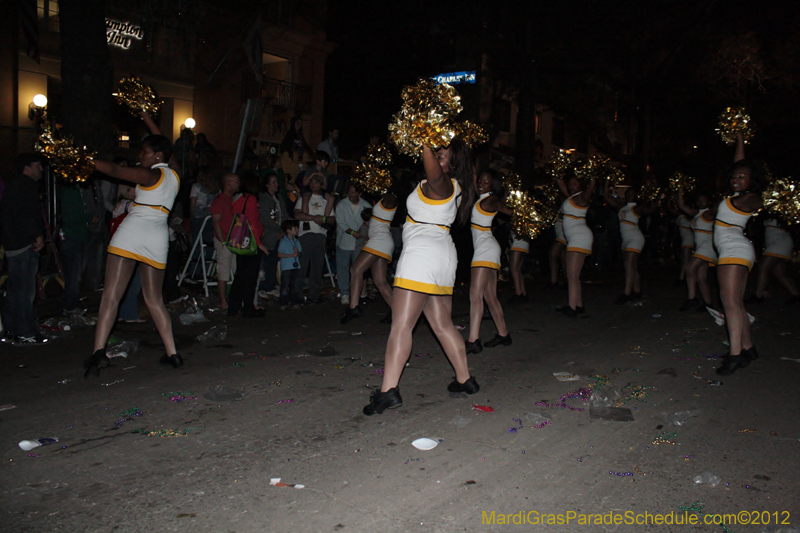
(294, 141)
(462, 170)
(497, 182)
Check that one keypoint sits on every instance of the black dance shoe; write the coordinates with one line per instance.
(470, 386)
(350, 314)
(474, 347)
(569, 312)
(690, 303)
(580, 310)
(95, 362)
(380, 401)
(499, 339)
(623, 299)
(732, 363)
(751, 352)
(175, 360)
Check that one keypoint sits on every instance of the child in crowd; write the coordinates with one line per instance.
(289, 250)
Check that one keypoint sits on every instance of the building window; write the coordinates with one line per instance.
(47, 11)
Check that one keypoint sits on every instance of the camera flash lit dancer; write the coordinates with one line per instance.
(737, 256)
(629, 214)
(426, 271)
(486, 263)
(375, 257)
(704, 255)
(579, 238)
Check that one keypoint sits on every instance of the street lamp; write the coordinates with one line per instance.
(36, 109)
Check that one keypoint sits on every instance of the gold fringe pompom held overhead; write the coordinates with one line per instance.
(429, 117)
(138, 96)
(732, 121)
(71, 163)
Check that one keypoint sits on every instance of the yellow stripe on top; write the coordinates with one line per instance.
(480, 228)
(154, 187)
(431, 201)
(735, 209)
(482, 211)
(156, 207)
(629, 222)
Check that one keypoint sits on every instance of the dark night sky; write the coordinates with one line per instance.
(587, 53)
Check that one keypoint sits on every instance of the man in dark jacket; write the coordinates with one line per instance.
(23, 238)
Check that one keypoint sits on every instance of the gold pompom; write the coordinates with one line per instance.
(429, 117)
(556, 167)
(138, 96)
(69, 162)
(596, 167)
(372, 176)
(529, 216)
(782, 198)
(679, 179)
(732, 121)
(649, 192)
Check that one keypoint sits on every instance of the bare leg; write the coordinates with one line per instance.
(406, 309)
(574, 266)
(691, 277)
(222, 287)
(152, 283)
(379, 271)
(732, 284)
(765, 268)
(477, 286)
(702, 282)
(118, 273)
(556, 259)
(686, 255)
(629, 260)
(357, 270)
(490, 295)
(439, 312)
(515, 260)
(783, 277)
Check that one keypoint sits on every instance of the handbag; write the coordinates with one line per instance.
(241, 239)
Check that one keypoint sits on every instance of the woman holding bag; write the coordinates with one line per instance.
(243, 288)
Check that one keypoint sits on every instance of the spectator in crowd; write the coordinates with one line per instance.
(74, 234)
(331, 147)
(23, 237)
(319, 167)
(294, 149)
(348, 225)
(290, 251)
(205, 153)
(95, 250)
(272, 212)
(243, 289)
(315, 213)
(204, 190)
(221, 217)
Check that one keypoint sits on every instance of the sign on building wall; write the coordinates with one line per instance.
(121, 34)
(456, 78)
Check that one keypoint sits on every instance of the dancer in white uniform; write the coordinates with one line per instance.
(579, 238)
(777, 252)
(519, 248)
(426, 271)
(557, 249)
(632, 239)
(486, 263)
(736, 256)
(142, 237)
(704, 254)
(375, 257)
